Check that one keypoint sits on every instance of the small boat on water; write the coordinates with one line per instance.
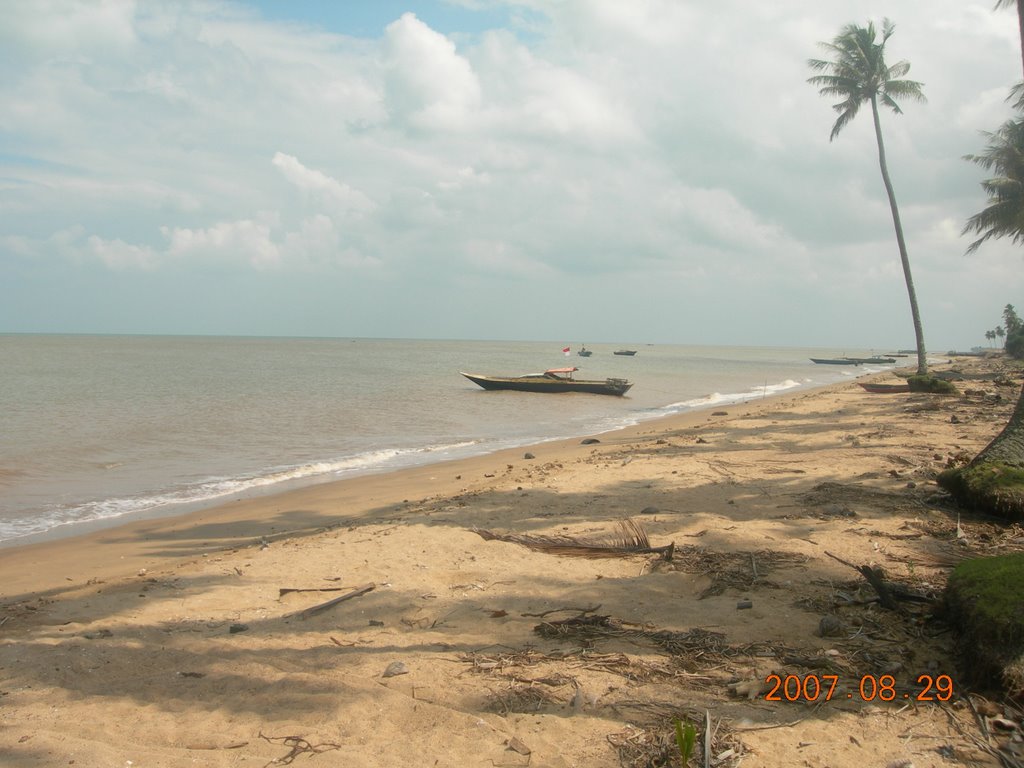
(834, 361)
(584, 352)
(885, 389)
(552, 380)
(629, 352)
(875, 360)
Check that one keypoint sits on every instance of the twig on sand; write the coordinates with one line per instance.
(581, 611)
(307, 612)
(282, 591)
(707, 739)
(299, 746)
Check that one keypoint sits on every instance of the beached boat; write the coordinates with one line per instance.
(553, 380)
(629, 352)
(834, 361)
(885, 389)
(584, 352)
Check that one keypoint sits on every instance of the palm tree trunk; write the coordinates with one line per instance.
(922, 364)
(1020, 25)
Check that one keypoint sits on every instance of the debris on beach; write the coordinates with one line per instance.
(629, 539)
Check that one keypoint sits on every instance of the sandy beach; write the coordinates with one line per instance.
(209, 639)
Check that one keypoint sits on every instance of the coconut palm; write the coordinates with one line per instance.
(1003, 216)
(993, 481)
(858, 75)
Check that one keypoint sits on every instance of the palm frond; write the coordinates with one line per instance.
(858, 74)
(1003, 216)
(628, 539)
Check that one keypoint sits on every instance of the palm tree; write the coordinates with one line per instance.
(859, 75)
(1003, 215)
(990, 335)
(993, 481)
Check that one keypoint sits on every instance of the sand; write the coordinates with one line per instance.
(188, 641)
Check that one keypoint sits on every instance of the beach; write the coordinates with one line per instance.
(472, 630)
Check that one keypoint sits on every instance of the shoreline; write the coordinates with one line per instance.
(364, 615)
(77, 529)
(241, 522)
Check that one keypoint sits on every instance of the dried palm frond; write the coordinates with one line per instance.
(629, 539)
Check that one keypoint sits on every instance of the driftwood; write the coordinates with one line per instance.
(314, 609)
(630, 539)
(288, 590)
(874, 578)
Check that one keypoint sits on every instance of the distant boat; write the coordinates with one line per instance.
(885, 389)
(552, 380)
(834, 361)
(584, 352)
(629, 352)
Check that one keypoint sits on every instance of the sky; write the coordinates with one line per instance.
(582, 171)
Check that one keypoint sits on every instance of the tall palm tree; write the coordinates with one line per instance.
(859, 75)
(1003, 215)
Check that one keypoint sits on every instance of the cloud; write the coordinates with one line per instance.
(429, 85)
(646, 151)
(330, 192)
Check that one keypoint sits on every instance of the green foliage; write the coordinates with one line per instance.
(1010, 319)
(1003, 215)
(991, 487)
(859, 75)
(931, 384)
(686, 737)
(1015, 344)
(984, 601)
(996, 584)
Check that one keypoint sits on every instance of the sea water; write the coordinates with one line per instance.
(106, 428)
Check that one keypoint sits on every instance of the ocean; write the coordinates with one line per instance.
(103, 429)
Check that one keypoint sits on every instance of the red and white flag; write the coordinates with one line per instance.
(566, 351)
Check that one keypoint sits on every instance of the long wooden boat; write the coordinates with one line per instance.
(552, 380)
(628, 352)
(834, 361)
(884, 389)
(876, 360)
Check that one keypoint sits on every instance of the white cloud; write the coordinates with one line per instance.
(639, 144)
(330, 192)
(244, 240)
(429, 85)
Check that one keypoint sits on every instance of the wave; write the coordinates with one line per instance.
(211, 489)
(719, 398)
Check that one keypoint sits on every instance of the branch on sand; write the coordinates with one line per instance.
(629, 539)
(314, 609)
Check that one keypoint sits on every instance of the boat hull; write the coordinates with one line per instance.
(836, 361)
(885, 389)
(617, 387)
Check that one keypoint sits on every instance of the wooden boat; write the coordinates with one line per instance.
(552, 380)
(885, 389)
(834, 361)
(875, 360)
(629, 352)
(584, 352)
